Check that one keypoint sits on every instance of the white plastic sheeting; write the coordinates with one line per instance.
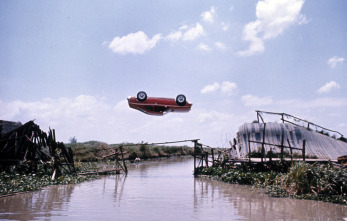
(319, 145)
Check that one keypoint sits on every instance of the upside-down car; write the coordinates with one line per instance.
(158, 106)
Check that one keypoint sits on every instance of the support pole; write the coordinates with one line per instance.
(195, 147)
(304, 150)
(206, 158)
(249, 147)
(122, 154)
(212, 157)
(291, 150)
(263, 145)
(282, 140)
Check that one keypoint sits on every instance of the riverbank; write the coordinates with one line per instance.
(94, 151)
(88, 158)
(302, 181)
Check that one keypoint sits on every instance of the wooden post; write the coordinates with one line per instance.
(263, 145)
(195, 144)
(206, 158)
(304, 150)
(257, 116)
(270, 155)
(249, 147)
(212, 157)
(291, 150)
(282, 140)
(124, 165)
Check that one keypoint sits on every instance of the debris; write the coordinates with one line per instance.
(28, 145)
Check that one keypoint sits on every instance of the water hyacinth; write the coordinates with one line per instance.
(11, 182)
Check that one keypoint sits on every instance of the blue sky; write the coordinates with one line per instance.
(70, 65)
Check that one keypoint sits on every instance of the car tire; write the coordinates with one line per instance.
(181, 100)
(141, 96)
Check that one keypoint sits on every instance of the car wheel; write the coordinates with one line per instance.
(141, 96)
(181, 100)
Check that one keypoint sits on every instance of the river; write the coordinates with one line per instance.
(161, 190)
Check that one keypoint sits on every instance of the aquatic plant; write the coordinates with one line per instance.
(303, 181)
(15, 181)
(315, 179)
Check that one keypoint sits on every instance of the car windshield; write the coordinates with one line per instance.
(159, 109)
(150, 108)
(156, 108)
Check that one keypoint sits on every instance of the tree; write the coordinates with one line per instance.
(73, 140)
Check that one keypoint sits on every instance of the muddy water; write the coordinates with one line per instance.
(161, 190)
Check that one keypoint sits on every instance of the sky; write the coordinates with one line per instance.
(70, 65)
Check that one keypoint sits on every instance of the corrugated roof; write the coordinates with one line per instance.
(317, 144)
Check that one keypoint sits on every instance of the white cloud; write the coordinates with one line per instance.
(210, 88)
(250, 33)
(225, 26)
(302, 20)
(204, 47)
(83, 106)
(251, 100)
(273, 17)
(220, 45)
(328, 87)
(194, 33)
(213, 116)
(83, 116)
(229, 88)
(208, 16)
(174, 36)
(134, 43)
(122, 106)
(186, 34)
(332, 62)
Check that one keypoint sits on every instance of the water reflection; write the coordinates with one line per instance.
(33, 205)
(253, 204)
(161, 190)
(119, 188)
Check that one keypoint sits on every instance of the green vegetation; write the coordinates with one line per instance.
(286, 154)
(16, 180)
(302, 181)
(93, 151)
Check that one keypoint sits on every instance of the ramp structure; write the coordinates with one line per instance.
(300, 136)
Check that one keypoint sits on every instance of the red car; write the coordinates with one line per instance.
(158, 106)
